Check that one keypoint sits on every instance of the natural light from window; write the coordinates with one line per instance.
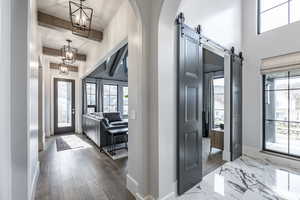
(91, 97)
(110, 98)
(218, 102)
(282, 112)
(125, 100)
(276, 13)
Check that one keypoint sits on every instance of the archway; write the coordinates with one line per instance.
(137, 177)
(167, 94)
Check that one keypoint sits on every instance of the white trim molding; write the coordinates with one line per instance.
(169, 196)
(133, 187)
(132, 184)
(5, 101)
(34, 182)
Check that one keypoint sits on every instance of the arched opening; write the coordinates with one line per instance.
(137, 176)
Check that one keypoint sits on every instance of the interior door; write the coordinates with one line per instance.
(64, 106)
(236, 107)
(190, 107)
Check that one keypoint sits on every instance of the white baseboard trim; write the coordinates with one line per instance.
(133, 187)
(34, 182)
(275, 159)
(170, 196)
(132, 184)
(140, 197)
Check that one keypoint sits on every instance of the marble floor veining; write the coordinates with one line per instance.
(247, 179)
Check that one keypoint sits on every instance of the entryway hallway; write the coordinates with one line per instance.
(80, 172)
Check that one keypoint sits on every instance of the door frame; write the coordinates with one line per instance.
(227, 96)
(65, 129)
(228, 58)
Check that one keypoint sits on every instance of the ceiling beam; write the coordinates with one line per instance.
(57, 66)
(57, 53)
(55, 22)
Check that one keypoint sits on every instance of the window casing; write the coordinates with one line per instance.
(110, 98)
(91, 97)
(276, 13)
(281, 112)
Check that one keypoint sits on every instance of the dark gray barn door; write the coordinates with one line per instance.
(236, 107)
(190, 106)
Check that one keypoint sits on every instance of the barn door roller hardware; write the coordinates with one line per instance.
(203, 39)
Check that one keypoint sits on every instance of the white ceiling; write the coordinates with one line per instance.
(104, 10)
(56, 38)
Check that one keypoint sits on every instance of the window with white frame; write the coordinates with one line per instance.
(91, 97)
(110, 98)
(125, 100)
(276, 13)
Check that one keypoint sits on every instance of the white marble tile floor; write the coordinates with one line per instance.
(247, 179)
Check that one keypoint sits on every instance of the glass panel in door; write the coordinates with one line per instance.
(64, 106)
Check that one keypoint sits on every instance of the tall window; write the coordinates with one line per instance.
(218, 102)
(276, 13)
(91, 97)
(125, 100)
(110, 98)
(282, 112)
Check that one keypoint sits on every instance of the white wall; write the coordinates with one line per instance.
(5, 101)
(220, 20)
(35, 50)
(41, 138)
(276, 42)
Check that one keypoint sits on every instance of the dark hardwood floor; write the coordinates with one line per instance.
(80, 174)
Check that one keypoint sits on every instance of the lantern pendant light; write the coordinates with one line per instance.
(63, 69)
(68, 53)
(81, 18)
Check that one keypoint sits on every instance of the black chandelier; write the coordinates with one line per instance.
(81, 18)
(68, 53)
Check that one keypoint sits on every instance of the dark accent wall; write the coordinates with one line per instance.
(114, 68)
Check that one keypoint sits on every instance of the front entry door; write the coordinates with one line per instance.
(190, 107)
(64, 105)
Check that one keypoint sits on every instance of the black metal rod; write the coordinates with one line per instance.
(208, 40)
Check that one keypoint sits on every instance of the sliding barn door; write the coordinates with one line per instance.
(236, 107)
(190, 106)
